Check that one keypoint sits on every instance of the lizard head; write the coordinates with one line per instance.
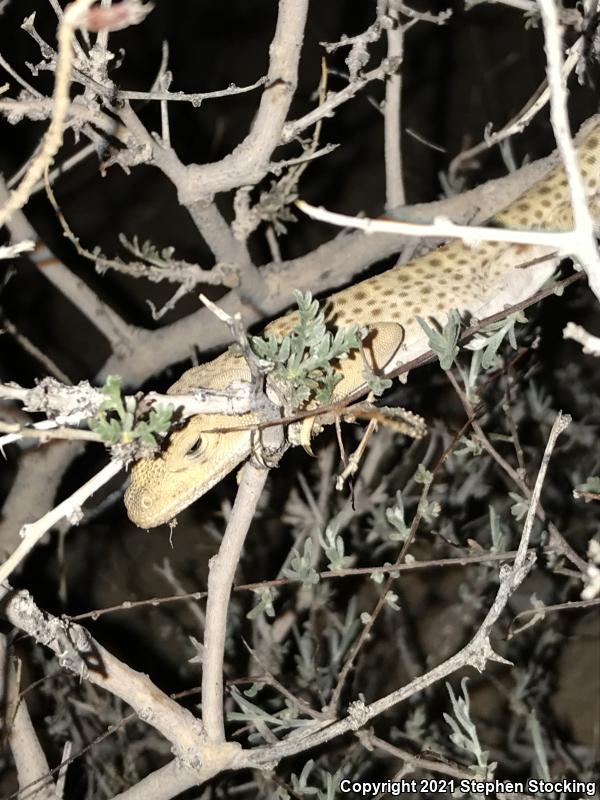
(194, 459)
(193, 463)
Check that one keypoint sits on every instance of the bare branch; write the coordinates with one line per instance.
(33, 532)
(584, 241)
(76, 15)
(220, 580)
(30, 761)
(590, 344)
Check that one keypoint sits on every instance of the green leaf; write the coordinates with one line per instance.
(115, 423)
(592, 485)
(423, 475)
(444, 343)
(521, 506)
(333, 546)
(395, 516)
(264, 605)
(491, 337)
(376, 384)
(301, 568)
(303, 359)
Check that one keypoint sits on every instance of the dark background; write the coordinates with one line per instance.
(480, 67)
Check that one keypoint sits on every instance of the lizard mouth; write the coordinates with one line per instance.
(146, 510)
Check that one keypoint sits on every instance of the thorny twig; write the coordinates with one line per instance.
(76, 15)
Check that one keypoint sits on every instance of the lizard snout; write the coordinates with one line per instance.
(138, 503)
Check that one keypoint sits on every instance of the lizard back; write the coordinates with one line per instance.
(479, 281)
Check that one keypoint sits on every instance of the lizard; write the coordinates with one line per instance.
(476, 281)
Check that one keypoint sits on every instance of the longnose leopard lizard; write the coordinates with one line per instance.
(476, 281)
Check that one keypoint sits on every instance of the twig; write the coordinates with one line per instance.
(294, 128)
(65, 404)
(119, 334)
(270, 680)
(195, 98)
(560, 424)
(521, 119)
(353, 462)
(422, 16)
(506, 407)
(585, 249)
(329, 265)
(33, 350)
(184, 778)
(249, 162)
(64, 167)
(566, 242)
(30, 762)
(222, 568)
(394, 185)
(14, 250)
(43, 431)
(368, 626)
(102, 37)
(369, 740)
(560, 545)
(591, 344)
(572, 605)
(62, 773)
(33, 532)
(227, 249)
(28, 88)
(82, 655)
(475, 654)
(350, 572)
(74, 16)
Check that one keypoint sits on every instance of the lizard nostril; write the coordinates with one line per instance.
(145, 501)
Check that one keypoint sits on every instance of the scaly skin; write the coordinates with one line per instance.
(479, 282)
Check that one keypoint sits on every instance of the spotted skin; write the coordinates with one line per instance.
(475, 280)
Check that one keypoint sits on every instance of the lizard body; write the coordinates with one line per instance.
(476, 281)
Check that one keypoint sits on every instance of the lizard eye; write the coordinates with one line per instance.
(197, 448)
